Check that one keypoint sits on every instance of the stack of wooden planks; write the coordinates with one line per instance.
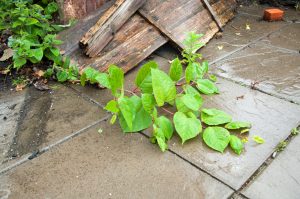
(130, 30)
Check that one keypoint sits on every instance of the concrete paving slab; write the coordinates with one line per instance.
(272, 70)
(10, 107)
(287, 38)
(281, 178)
(256, 10)
(102, 96)
(47, 117)
(110, 165)
(236, 36)
(271, 118)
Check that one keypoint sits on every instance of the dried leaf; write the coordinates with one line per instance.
(40, 85)
(39, 73)
(248, 27)
(8, 53)
(20, 87)
(4, 72)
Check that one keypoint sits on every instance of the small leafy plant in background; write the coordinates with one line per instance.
(159, 91)
(33, 36)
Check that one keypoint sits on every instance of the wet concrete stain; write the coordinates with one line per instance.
(30, 133)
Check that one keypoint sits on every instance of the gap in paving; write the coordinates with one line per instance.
(268, 161)
(191, 163)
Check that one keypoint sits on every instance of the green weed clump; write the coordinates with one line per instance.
(34, 36)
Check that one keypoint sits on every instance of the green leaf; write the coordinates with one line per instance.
(213, 78)
(214, 117)
(31, 21)
(148, 102)
(102, 79)
(258, 139)
(55, 51)
(166, 126)
(206, 86)
(175, 70)
(188, 89)
(112, 106)
(127, 109)
(18, 62)
(83, 79)
(236, 144)
(187, 128)
(143, 79)
(216, 138)
(204, 67)
(238, 125)
(116, 79)
(180, 105)
(38, 53)
(62, 76)
(67, 62)
(193, 102)
(163, 87)
(142, 119)
(113, 119)
(51, 8)
(189, 73)
(245, 131)
(160, 138)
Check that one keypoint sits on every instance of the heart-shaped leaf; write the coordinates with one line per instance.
(214, 117)
(216, 138)
(142, 119)
(163, 87)
(207, 87)
(175, 70)
(186, 127)
(166, 126)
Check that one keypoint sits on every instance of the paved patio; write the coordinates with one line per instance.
(51, 148)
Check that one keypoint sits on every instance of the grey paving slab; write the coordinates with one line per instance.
(271, 119)
(110, 165)
(281, 179)
(256, 10)
(102, 96)
(236, 36)
(287, 37)
(10, 107)
(272, 70)
(47, 117)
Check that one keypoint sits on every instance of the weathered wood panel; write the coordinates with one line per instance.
(176, 17)
(103, 32)
(134, 42)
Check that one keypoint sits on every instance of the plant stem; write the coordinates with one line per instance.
(167, 111)
(128, 91)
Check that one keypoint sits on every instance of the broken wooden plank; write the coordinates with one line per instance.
(108, 25)
(134, 42)
(174, 18)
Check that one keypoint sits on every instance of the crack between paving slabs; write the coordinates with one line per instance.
(29, 157)
(266, 163)
(191, 163)
(86, 97)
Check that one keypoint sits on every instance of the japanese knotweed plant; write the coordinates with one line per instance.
(159, 91)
